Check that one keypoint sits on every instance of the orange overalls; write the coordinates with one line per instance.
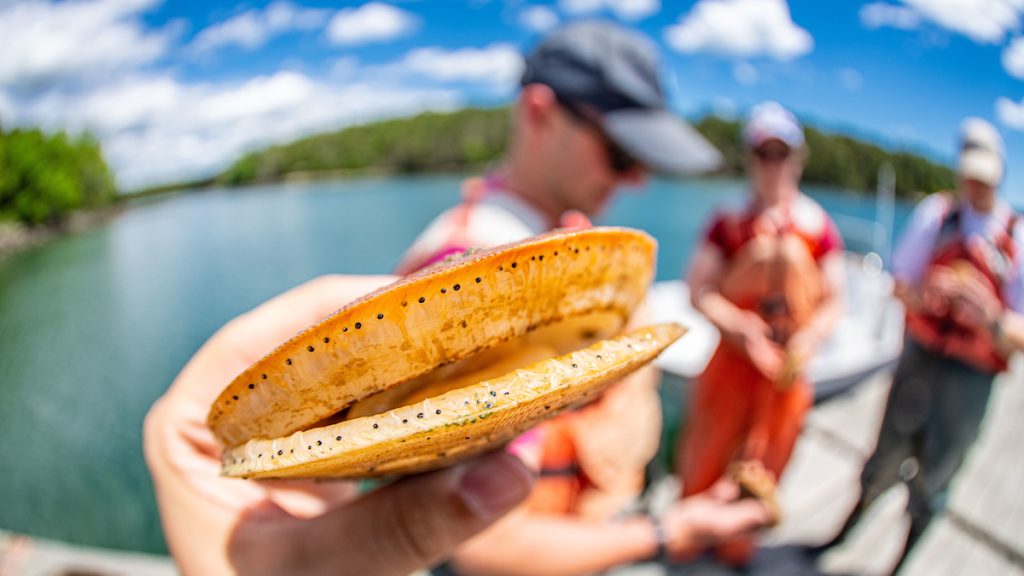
(737, 413)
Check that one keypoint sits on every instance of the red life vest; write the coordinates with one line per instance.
(773, 270)
(561, 480)
(992, 262)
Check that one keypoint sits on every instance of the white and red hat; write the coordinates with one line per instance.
(770, 121)
(981, 152)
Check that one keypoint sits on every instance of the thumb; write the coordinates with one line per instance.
(725, 490)
(741, 517)
(575, 220)
(417, 521)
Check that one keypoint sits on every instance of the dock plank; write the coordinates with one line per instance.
(942, 550)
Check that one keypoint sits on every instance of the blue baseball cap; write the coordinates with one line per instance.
(615, 71)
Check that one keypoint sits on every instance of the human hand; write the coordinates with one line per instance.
(754, 336)
(940, 287)
(219, 525)
(975, 304)
(711, 517)
(800, 348)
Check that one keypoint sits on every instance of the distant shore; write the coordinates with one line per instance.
(15, 236)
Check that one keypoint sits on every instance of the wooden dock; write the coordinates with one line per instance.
(982, 532)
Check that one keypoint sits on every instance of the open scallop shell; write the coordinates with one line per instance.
(564, 292)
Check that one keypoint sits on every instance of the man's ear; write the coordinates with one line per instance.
(538, 105)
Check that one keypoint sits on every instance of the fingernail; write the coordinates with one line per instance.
(494, 484)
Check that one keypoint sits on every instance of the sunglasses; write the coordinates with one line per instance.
(619, 160)
(772, 155)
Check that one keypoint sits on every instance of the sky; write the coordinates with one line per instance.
(176, 90)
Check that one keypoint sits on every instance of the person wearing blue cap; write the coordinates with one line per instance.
(958, 271)
(770, 278)
(591, 116)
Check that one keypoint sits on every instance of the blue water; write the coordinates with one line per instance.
(94, 327)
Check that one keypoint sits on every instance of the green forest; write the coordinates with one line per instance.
(473, 138)
(44, 178)
(430, 142)
(839, 161)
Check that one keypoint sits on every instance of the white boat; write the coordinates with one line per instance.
(868, 338)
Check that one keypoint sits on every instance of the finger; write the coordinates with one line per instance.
(725, 490)
(738, 518)
(575, 220)
(760, 325)
(770, 362)
(417, 521)
(308, 498)
(935, 302)
(765, 368)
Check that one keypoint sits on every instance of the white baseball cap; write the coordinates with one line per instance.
(770, 121)
(981, 152)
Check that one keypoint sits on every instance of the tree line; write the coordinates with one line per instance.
(45, 177)
(473, 138)
(429, 142)
(839, 161)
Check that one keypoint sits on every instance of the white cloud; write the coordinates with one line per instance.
(92, 65)
(500, 64)
(538, 18)
(131, 104)
(156, 129)
(47, 42)
(254, 28)
(744, 73)
(740, 28)
(1013, 58)
(851, 80)
(1010, 113)
(879, 14)
(580, 7)
(985, 21)
(623, 9)
(372, 22)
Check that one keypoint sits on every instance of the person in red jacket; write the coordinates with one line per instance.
(770, 277)
(958, 273)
